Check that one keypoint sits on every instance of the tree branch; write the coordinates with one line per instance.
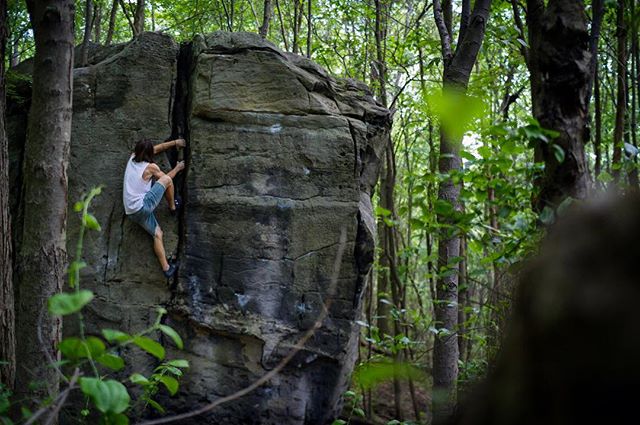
(464, 19)
(524, 50)
(467, 51)
(445, 36)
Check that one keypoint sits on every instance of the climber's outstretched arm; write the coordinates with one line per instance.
(154, 171)
(161, 147)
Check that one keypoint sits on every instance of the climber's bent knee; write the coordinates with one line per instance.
(158, 234)
(165, 181)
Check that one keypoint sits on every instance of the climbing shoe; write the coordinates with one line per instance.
(171, 270)
(178, 203)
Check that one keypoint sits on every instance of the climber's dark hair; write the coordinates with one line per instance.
(143, 151)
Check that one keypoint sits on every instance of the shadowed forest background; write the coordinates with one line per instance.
(507, 115)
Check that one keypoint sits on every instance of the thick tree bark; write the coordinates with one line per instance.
(84, 49)
(561, 73)
(621, 101)
(112, 22)
(43, 256)
(457, 71)
(266, 19)
(7, 312)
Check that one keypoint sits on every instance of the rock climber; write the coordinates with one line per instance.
(141, 195)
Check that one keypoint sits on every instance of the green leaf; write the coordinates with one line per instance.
(155, 405)
(68, 303)
(111, 361)
(382, 212)
(137, 378)
(114, 419)
(78, 206)
(169, 382)
(179, 363)
(109, 396)
(91, 222)
(485, 152)
(371, 374)
(456, 111)
(150, 346)
(339, 422)
(113, 335)
(75, 348)
(170, 369)
(171, 333)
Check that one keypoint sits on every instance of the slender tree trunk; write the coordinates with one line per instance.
(463, 301)
(621, 102)
(309, 28)
(561, 69)
(7, 311)
(97, 23)
(138, 17)
(43, 256)
(457, 71)
(282, 28)
(597, 143)
(15, 53)
(112, 23)
(153, 17)
(266, 18)
(84, 49)
(633, 175)
(298, 12)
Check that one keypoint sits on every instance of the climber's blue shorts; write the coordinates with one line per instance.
(144, 216)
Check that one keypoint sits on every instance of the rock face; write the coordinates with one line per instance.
(281, 159)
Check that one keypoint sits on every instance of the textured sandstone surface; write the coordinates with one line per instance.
(281, 157)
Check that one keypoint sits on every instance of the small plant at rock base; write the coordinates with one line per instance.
(93, 358)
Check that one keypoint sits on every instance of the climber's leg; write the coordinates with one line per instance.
(167, 182)
(158, 248)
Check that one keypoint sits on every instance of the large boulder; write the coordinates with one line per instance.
(281, 159)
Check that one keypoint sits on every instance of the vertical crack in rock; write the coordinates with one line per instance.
(180, 129)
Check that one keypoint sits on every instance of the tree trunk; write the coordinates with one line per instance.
(282, 28)
(457, 71)
(597, 142)
(309, 27)
(266, 18)
(84, 49)
(621, 102)
(43, 256)
(561, 73)
(297, 21)
(7, 312)
(633, 175)
(112, 22)
(138, 17)
(463, 298)
(97, 23)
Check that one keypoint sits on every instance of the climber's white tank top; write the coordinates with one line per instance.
(134, 187)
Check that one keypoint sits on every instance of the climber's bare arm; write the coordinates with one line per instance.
(154, 171)
(161, 147)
